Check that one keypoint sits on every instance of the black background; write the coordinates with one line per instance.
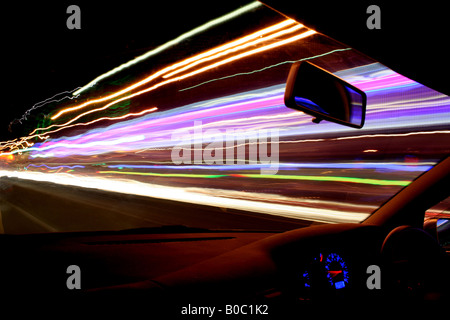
(412, 40)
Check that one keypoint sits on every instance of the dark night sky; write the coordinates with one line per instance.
(42, 57)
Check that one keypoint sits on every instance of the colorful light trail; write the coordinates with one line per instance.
(122, 140)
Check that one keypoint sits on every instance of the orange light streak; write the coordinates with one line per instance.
(233, 44)
(203, 69)
(174, 66)
(248, 53)
(235, 48)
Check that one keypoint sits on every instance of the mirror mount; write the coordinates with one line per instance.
(324, 96)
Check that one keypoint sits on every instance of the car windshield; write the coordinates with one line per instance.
(195, 132)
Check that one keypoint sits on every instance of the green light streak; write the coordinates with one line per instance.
(378, 182)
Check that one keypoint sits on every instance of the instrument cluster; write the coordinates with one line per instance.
(325, 273)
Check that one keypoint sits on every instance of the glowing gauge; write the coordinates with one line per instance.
(310, 275)
(337, 271)
(306, 279)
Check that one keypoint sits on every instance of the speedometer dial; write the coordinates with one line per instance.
(337, 271)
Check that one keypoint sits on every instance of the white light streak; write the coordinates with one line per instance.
(190, 196)
(171, 43)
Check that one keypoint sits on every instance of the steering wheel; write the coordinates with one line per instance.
(413, 265)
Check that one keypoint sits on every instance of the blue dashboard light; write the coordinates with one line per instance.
(339, 285)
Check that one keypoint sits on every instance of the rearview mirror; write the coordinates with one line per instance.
(325, 96)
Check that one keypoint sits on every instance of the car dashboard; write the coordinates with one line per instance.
(284, 272)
